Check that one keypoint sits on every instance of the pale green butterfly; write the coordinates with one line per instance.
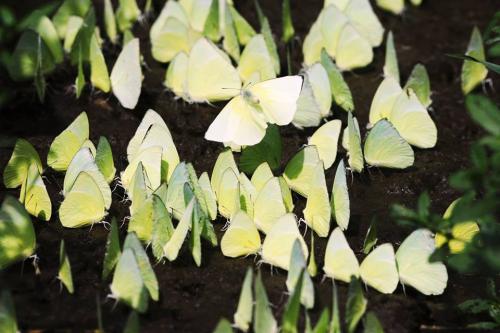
(317, 213)
(209, 193)
(244, 30)
(269, 205)
(340, 198)
(393, 6)
(230, 42)
(99, 74)
(128, 285)
(68, 143)
(127, 14)
(256, 62)
(378, 269)
(315, 99)
(113, 250)
(413, 122)
(72, 28)
(104, 159)
(173, 37)
(326, 33)
(150, 158)
(300, 169)
(110, 21)
(126, 76)
(69, 8)
(147, 273)
(17, 235)
(159, 136)
(151, 117)
(297, 265)
(420, 84)
(228, 194)
(84, 161)
(414, 268)
(354, 152)
(261, 175)
(248, 194)
(224, 160)
(384, 147)
(64, 274)
(243, 315)
(263, 319)
(325, 139)
(211, 76)
(34, 195)
(173, 246)
(47, 31)
(391, 67)
(278, 244)
(340, 90)
(179, 194)
(16, 170)
(175, 79)
(473, 73)
(84, 204)
(241, 237)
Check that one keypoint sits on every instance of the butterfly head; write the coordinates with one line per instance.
(249, 97)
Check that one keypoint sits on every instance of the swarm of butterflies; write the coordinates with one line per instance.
(246, 72)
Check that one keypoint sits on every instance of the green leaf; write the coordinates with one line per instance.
(268, 150)
(224, 326)
(423, 206)
(35, 15)
(371, 237)
(264, 321)
(291, 314)
(475, 306)
(484, 112)
(494, 312)
(113, 251)
(335, 323)
(323, 322)
(65, 275)
(489, 65)
(132, 325)
(371, 324)
(355, 306)
(288, 30)
(8, 322)
(340, 90)
(491, 289)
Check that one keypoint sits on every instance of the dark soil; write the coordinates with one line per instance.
(194, 299)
